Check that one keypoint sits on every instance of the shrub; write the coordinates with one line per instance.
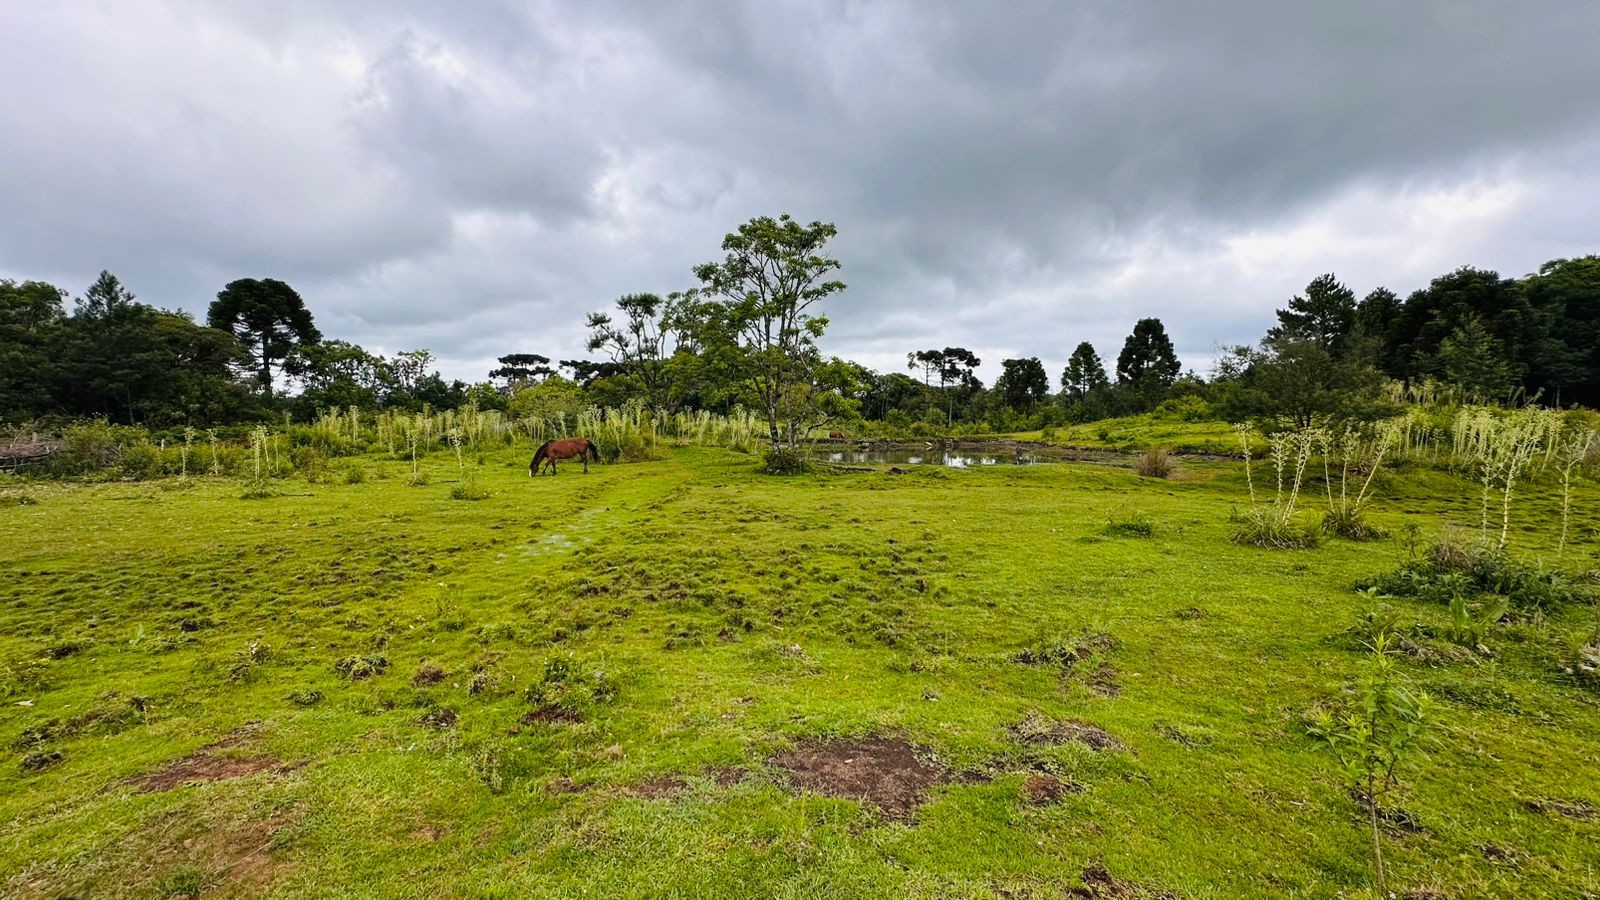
(469, 492)
(1154, 463)
(785, 461)
(1474, 567)
(355, 475)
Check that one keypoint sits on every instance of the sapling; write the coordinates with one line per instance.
(1380, 736)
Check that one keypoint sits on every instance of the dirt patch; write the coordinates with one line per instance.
(1103, 683)
(1182, 736)
(880, 771)
(726, 776)
(443, 717)
(1582, 810)
(545, 714)
(204, 766)
(1038, 730)
(428, 674)
(43, 759)
(1039, 789)
(661, 787)
(1098, 883)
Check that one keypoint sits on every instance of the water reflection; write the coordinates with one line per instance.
(955, 459)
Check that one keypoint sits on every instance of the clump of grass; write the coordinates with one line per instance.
(18, 500)
(1130, 523)
(469, 491)
(1352, 457)
(1154, 463)
(245, 662)
(358, 668)
(571, 685)
(355, 475)
(1273, 524)
(307, 697)
(1268, 526)
(258, 494)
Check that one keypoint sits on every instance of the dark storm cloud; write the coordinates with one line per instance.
(1012, 178)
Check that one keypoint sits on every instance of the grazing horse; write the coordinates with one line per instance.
(835, 435)
(566, 448)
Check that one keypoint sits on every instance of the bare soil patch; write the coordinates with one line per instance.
(1103, 683)
(661, 787)
(443, 717)
(727, 776)
(879, 771)
(427, 674)
(1038, 730)
(203, 766)
(551, 714)
(206, 764)
(1040, 789)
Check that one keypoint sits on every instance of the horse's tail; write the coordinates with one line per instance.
(594, 452)
(533, 467)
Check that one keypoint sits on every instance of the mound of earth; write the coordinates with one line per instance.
(879, 771)
(1037, 729)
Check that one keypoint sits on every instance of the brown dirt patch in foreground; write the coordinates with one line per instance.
(206, 764)
(1040, 789)
(880, 771)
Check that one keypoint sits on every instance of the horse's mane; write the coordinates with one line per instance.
(542, 448)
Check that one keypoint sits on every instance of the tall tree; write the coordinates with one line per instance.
(522, 369)
(1324, 316)
(1565, 296)
(269, 320)
(642, 342)
(1023, 383)
(1084, 373)
(774, 272)
(1148, 364)
(1473, 360)
(30, 316)
(105, 295)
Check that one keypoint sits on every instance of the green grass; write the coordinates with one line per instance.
(698, 614)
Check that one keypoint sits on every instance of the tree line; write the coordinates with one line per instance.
(747, 332)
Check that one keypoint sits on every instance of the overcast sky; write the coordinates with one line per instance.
(474, 177)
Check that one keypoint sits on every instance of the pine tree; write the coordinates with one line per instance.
(1084, 373)
(1325, 315)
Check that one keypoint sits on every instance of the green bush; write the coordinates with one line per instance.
(785, 461)
(1472, 567)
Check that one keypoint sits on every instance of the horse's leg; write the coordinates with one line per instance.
(552, 465)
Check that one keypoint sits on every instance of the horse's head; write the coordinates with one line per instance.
(533, 467)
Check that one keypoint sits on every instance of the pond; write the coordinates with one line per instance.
(958, 455)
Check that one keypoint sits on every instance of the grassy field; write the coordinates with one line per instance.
(622, 684)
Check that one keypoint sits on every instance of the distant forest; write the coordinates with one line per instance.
(259, 356)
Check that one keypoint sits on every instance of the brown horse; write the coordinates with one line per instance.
(566, 448)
